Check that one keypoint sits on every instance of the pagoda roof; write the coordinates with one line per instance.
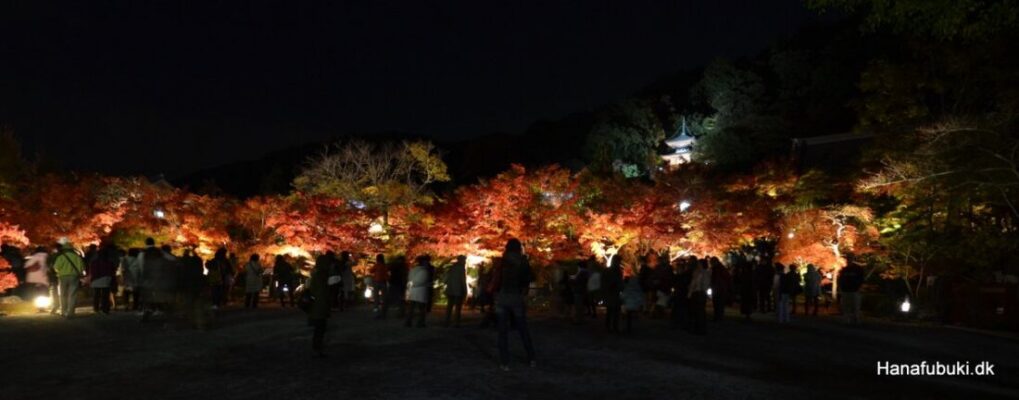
(682, 138)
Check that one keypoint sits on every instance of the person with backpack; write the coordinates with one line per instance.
(456, 289)
(511, 284)
(101, 273)
(69, 268)
(219, 269)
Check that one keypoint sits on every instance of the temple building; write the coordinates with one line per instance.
(681, 145)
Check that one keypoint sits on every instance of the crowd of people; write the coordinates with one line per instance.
(154, 281)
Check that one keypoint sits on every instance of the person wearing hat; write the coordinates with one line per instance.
(69, 268)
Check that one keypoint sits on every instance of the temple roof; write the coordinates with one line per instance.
(682, 137)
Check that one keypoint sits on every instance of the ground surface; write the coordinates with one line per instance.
(264, 354)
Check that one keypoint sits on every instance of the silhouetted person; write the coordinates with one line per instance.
(283, 275)
(811, 289)
(747, 292)
(380, 283)
(219, 270)
(763, 277)
(252, 281)
(101, 272)
(700, 282)
(612, 286)
(397, 287)
(513, 282)
(456, 289)
(850, 280)
(721, 288)
(321, 302)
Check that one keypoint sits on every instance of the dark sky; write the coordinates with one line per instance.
(160, 86)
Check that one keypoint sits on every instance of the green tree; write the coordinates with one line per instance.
(624, 135)
(376, 177)
(940, 19)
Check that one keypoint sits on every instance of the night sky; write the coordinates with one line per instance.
(130, 87)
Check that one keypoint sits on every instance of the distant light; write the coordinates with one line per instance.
(358, 204)
(367, 293)
(828, 275)
(684, 205)
(42, 302)
(159, 213)
(791, 235)
(285, 289)
(905, 306)
(709, 292)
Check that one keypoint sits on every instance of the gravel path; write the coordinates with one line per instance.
(265, 354)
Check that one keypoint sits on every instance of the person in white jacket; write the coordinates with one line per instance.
(417, 282)
(37, 274)
(252, 281)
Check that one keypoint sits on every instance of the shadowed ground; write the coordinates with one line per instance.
(266, 354)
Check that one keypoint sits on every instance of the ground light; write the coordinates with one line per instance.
(367, 293)
(905, 306)
(709, 292)
(42, 302)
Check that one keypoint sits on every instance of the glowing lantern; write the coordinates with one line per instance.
(42, 302)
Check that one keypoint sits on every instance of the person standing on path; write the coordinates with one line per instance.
(252, 281)
(321, 302)
(721, 288)
(612, 286)
(37, 272)
(283, 275)
(456, 289)
(511, 285)
(811, 289)
(69, 268)
(850, 280)
(380, 283)
(782, 292)
(700, 282)
(633, 299)
(418, 281)
(101, 274)
(347, 283)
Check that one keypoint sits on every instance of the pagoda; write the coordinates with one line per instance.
(681, 145)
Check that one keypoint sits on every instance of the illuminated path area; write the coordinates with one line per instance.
(265, 354)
